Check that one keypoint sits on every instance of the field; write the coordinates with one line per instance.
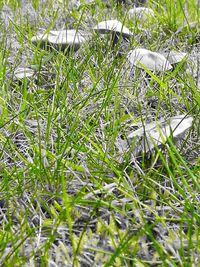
(75, 188)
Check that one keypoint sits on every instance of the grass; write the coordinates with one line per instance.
(72, 192)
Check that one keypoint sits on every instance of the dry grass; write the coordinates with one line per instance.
(73, 191)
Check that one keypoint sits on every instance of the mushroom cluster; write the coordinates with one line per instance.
(156, 133)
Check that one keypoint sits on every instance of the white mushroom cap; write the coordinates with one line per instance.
(69, 37)
(156, 133)
(175, 57)
(21, 73)
(141, 13)
(39, 38)
(144, 58)
(112, 26)
(44, 37)
(62, 38)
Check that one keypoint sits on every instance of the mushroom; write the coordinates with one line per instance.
(21, 73)
(60, 39)
(175, 57)
(112, 26)
(157, 133)
(142, 13)
(42, 38)
(143, 58)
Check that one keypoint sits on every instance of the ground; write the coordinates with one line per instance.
(75, 190)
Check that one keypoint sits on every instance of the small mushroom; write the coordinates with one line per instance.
(113, 26)
(60, 39)
(175, 57)
(42, 38)
(141, 13)
(156, 133)
(21, 73)
(143, 58)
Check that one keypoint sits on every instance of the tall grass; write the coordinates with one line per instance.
(73, 191)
